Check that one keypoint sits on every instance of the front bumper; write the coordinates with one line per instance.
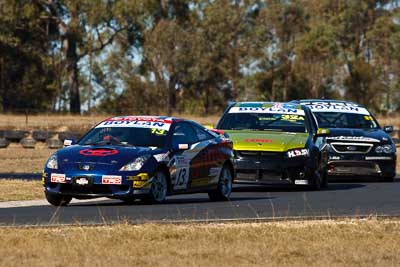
(131, 185)
(271, 167)
(375, 166)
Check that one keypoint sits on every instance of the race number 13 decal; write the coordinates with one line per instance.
(182, 173)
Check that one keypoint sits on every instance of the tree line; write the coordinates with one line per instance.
(166, 56)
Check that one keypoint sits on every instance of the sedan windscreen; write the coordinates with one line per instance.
(128, 136)
(264, 122)
(345, 120)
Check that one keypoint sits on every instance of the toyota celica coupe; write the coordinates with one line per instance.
(141, 157)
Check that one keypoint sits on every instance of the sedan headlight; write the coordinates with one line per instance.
(301, 152)
(136, 165)
(52, 162)
(385, 149)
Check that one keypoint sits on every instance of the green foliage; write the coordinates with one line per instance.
(26, 73)
(166, 56)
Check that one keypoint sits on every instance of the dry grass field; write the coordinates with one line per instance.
(17, 189)
(299, 243)
(16, 159)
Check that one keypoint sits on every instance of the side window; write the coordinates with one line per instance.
(202, 135)
(184, 134)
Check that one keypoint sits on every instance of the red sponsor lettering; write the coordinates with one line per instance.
(57, 178)
(133, 118)
(111, 179)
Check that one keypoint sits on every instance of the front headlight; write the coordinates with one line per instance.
(135, 165)
(301, 152)
(52, 162)
(385, 149)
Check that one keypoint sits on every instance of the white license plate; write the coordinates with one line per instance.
(82, 181)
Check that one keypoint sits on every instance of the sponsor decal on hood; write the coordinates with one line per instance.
(353, 138)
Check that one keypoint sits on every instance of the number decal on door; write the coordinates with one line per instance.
(182, 173)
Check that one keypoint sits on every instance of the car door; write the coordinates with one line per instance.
(209, 159)
(183, 172)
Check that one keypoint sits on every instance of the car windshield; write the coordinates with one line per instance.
(345, 120)
(263, 122)
(126, 136)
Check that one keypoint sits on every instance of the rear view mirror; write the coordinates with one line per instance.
(388, 129)
(69, 142)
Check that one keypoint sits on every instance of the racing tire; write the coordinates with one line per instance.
(4, 143)
(224, 188)
(15, 136)
(28, 142)
(57, 200)
(159, 188)
(41, 136)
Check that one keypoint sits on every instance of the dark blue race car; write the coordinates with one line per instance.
(142, 157)
(356, 145)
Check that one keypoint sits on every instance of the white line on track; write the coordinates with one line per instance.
(42, 202)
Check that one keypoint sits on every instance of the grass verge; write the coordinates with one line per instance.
(310, 243)
(16, 159)
(16, 189)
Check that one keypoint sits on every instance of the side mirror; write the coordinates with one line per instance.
(180, 147)
(322, 132)
(388, 129)
(69, 142)
(220, 132)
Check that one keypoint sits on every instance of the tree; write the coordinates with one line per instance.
(25, 67)
(84, 27)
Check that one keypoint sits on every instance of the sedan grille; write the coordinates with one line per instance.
(354, 148)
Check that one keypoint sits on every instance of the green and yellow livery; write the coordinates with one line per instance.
(275, 143)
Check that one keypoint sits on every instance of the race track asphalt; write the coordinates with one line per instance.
(340, 199)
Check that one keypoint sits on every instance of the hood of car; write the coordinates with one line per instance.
(359, 135)
(103, 157)
(266, 140)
